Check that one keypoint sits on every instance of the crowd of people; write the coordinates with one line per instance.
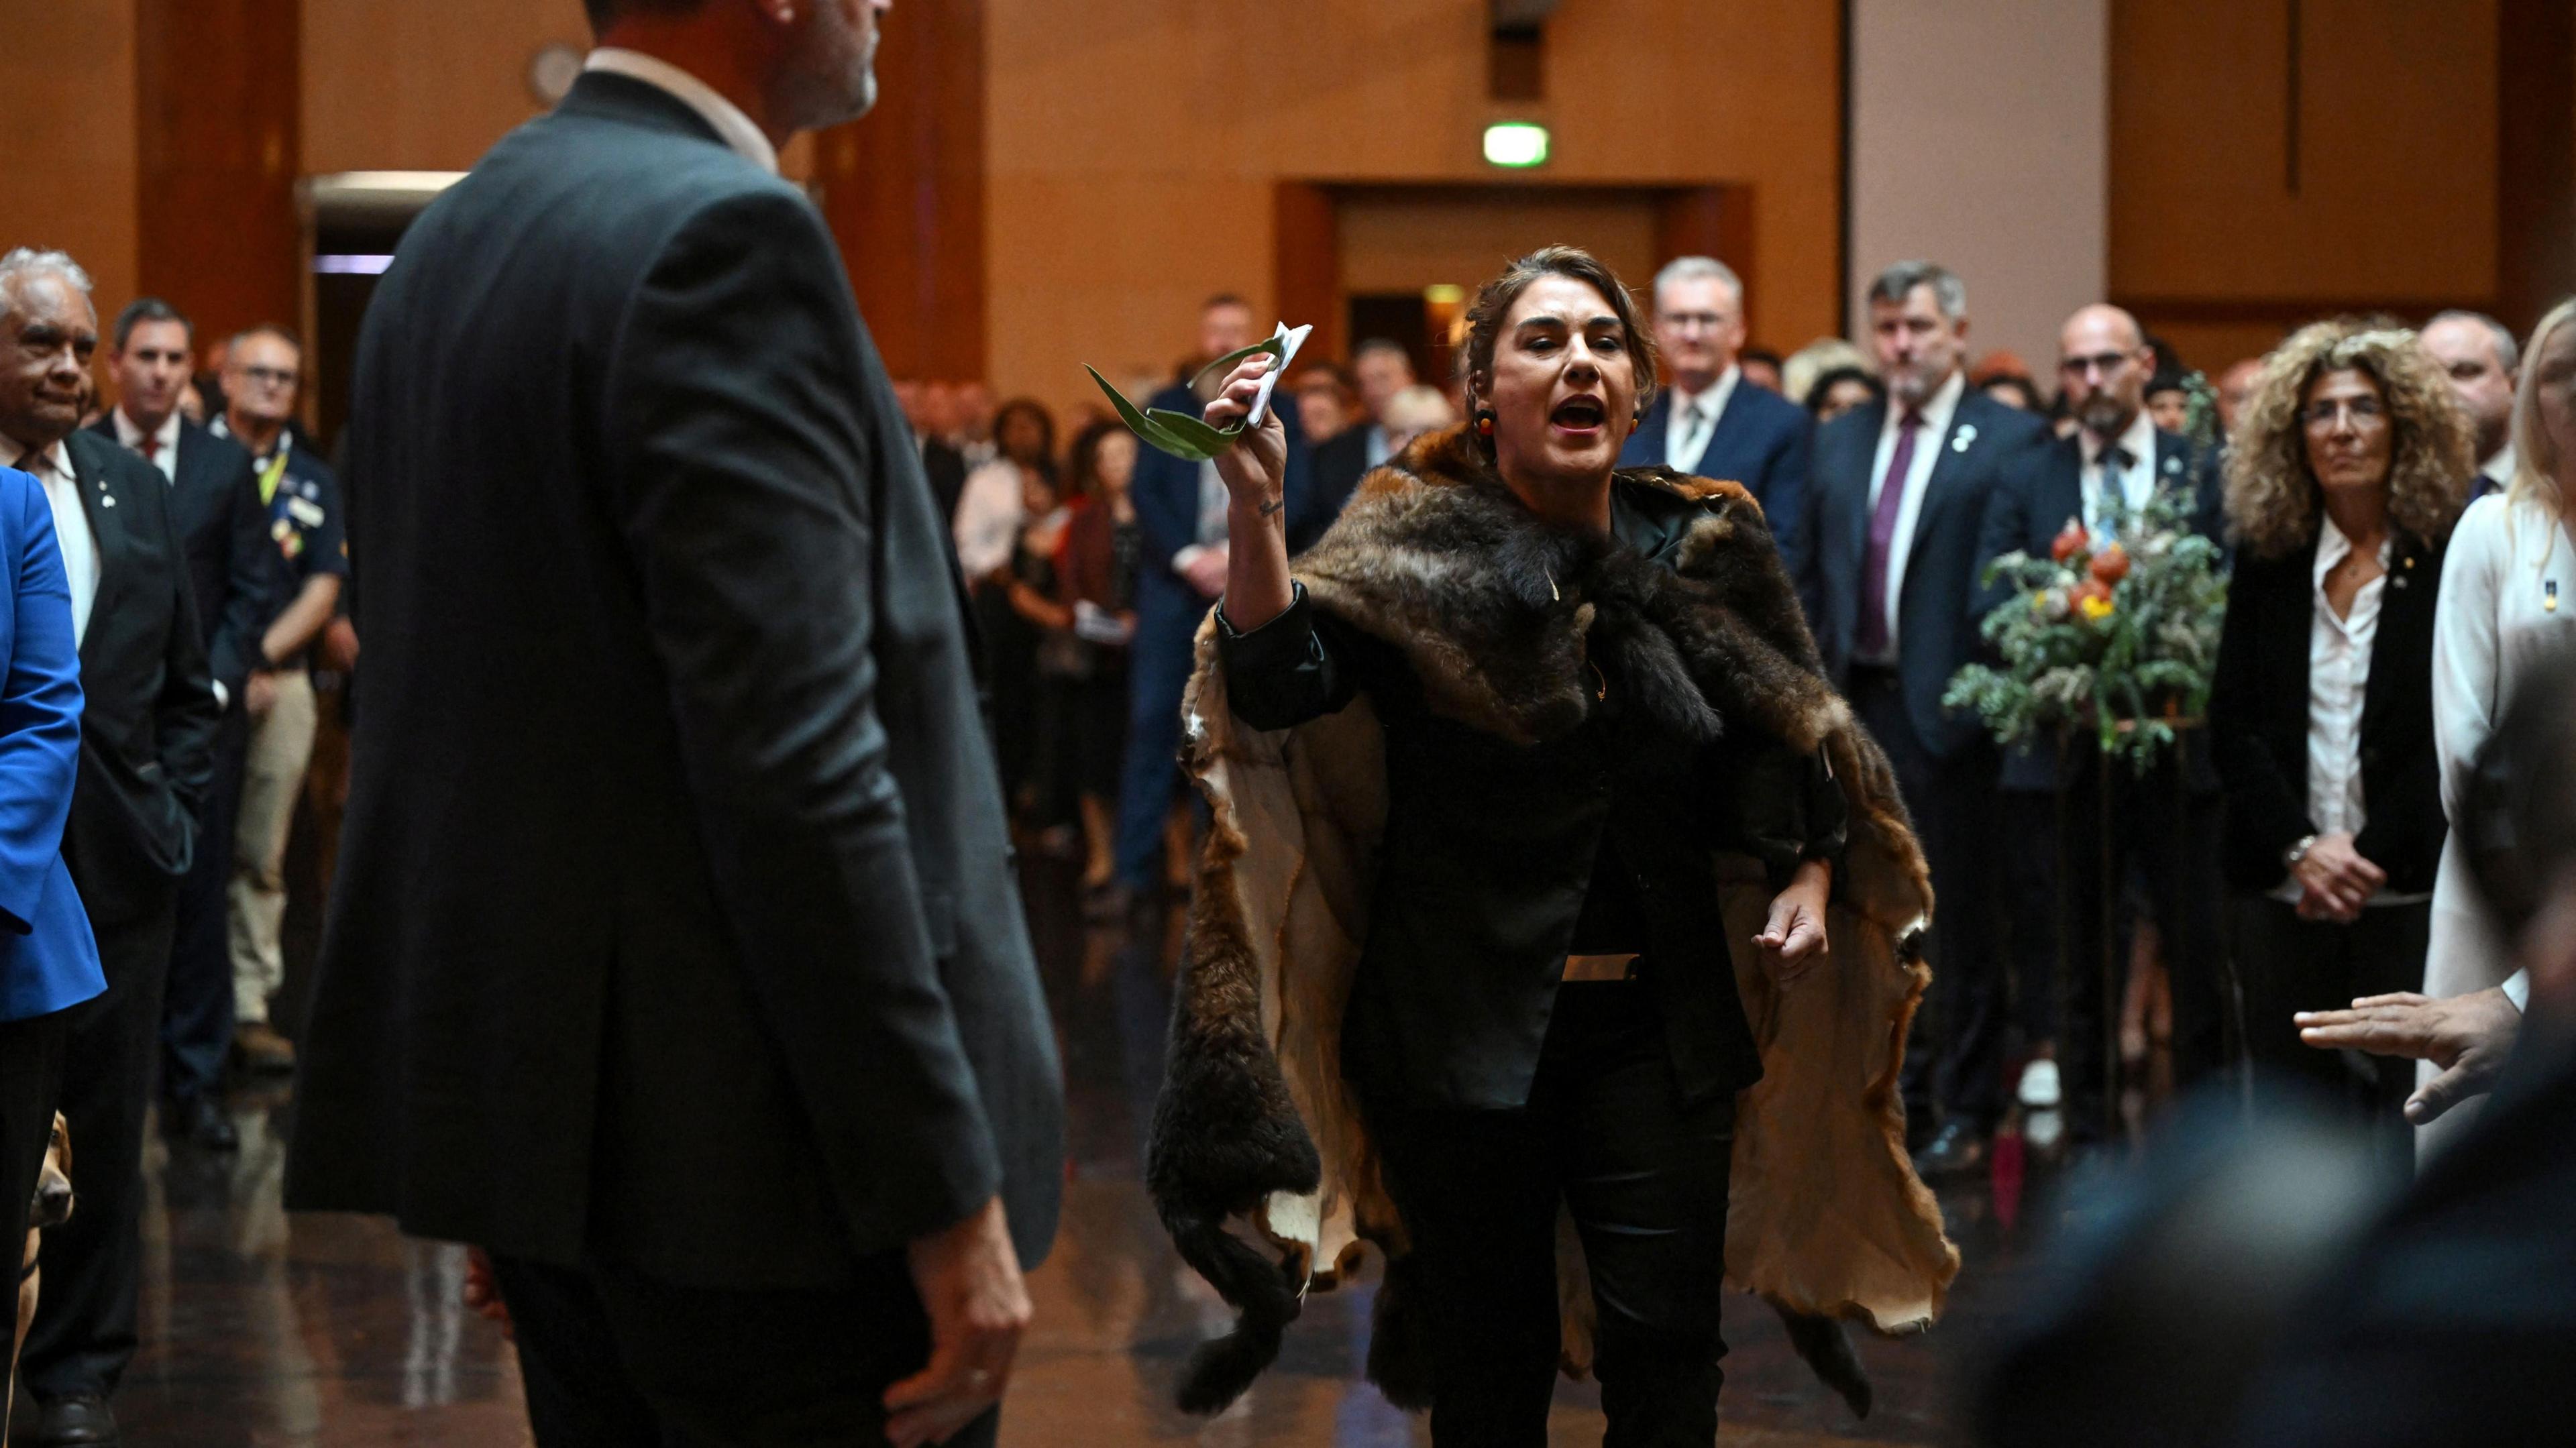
(1093, 570)
(758, 733)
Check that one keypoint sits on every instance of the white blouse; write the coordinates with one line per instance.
(2339, 648)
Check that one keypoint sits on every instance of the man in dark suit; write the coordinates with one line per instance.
(148, 724)
(1707, 421)
(674, 956)
(233, 573)
(1380, 368)
(2167, 821)
(2477, 353)
(1180, 514)
(1886, 564)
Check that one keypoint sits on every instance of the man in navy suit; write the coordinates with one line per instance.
(1180, 511)
(235, 573)
(2114, 464)
(1708, 421)
(1886, 564)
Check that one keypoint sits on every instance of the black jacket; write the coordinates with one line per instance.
(674, 921)
(2258, 719)
(1499, 858)
(233, 568)
(1936, 600)
(2040, 491)
(1761, 440)
(148, 714)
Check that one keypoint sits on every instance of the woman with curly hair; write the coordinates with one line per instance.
(2350, 468)
(1533, 817)
(2508, 607)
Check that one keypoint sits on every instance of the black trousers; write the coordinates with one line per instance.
(2168, 834)
(614, 1359)
(1949, 1066)
(2290, 965)
(84, 1333)
(197, 1021)
(1606, 1138)
(31, 1076)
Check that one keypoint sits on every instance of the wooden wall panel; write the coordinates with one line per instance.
(2535, 158)
(1135, 158)
(2394, 203)
(218, 142)
(904, 188)
(67, 112)
(422, 87)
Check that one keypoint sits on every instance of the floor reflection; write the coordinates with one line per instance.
(265, 1331)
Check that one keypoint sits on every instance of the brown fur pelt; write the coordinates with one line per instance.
(1498, 616)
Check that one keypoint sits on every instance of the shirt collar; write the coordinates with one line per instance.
(1716, 396)
(735, 128)
(2139, 441)
(2333, 547)
(165, 438)
(2500, 467)
(58, 457)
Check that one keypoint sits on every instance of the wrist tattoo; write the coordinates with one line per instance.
(1275, 506)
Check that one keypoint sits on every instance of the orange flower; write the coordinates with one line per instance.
(2111, 564)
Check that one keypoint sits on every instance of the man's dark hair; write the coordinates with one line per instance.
(2164, 382)
(1760, 354)
(1375, 345)
(148, 309)
(605, 13)
(1224, 299)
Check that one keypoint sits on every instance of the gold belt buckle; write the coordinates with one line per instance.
(1599, 967)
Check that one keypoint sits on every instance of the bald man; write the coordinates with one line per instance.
(2115, 463)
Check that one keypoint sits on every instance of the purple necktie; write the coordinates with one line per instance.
(1872, 640)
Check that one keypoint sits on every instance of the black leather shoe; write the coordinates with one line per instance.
(84, 1420)
(200, 1123)
(1955, 1148)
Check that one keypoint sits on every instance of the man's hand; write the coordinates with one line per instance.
(1206, 572)
(1793, 940)
(2335, 881)
(969, 1279)
(340, 646)
(2468, 1036)
(259, 694)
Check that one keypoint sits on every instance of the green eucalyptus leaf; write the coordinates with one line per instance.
(1153, 429)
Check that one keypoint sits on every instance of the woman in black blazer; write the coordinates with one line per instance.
(2349, 469)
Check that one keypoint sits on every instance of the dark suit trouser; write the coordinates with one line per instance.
(1156, 681)
(2171, 836)
(1948, 1063)
(197, 1016)
(1605, 1137)
(2290, 965)
(84, 1333)
(31, 1077)
(614, 1359)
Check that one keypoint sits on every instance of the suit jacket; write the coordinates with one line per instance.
(674, 922)
(2038, 492)
(1936, 600)
(48, 957)
(945, 468)
(2259, 710)
(1340, 462)
(148, 711)
(233, 568)
(1761, 440)
(1165, 491)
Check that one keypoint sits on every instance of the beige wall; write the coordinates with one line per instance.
(1132, 154)
(1979, 141)
(67, 131)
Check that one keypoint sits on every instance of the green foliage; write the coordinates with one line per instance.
(2083, 646)
(1181, 434)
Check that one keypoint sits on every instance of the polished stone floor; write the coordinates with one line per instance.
(268, 1331)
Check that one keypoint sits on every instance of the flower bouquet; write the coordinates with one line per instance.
(2116, 632)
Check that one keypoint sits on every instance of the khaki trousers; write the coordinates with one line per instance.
(281, 746)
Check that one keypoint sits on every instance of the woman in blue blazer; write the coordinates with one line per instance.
(48, 959)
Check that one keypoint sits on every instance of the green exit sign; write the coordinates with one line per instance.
(1516, 143)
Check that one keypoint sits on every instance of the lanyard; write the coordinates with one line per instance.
(271, 474)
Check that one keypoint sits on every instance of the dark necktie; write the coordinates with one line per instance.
(2112, 506)
(1872, 639)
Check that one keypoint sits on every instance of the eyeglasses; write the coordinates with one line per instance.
(269, 376)
(2109, 364)
(2324, 416)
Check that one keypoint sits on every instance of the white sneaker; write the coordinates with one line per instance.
(2039, 1089)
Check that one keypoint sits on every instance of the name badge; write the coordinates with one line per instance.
(305, 512)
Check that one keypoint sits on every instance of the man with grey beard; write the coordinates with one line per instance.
(674, 959)
(2115, 464)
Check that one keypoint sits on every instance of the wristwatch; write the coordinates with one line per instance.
(2291, 857)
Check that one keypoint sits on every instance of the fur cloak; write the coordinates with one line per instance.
(1495, 612)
